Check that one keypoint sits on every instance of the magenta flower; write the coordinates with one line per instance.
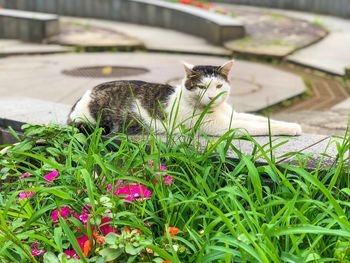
(167, 180)
(133, 192)
(163, 168)
(84, 217)
(64, 212)
(71, 254)
(51, 176)
(35, 244)
(37, 252)
(24, 175)
(81, 240)
(105, 227)
(54, 215)
(24, 195)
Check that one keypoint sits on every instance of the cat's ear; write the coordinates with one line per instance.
(188, 68)
(226, 68)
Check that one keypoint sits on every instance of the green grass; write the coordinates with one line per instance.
(226, 210)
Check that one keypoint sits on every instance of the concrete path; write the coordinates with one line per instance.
(255, 86)
(10, 47)
(331, 54)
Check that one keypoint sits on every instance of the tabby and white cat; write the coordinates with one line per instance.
(130, 105)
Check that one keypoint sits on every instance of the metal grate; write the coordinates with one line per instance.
(105, 72)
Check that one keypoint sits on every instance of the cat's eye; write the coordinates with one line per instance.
(202, 86)
(218, 86)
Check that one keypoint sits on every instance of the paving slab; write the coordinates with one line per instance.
(254, 86)
(28, 110)
(326, 122)
(78, 34)
(269, 33)
(15, 111)
(331, 54)
(344, 105)
(155, 38)
(16, 47)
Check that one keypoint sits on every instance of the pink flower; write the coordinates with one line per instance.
(54, 215)
(105, 228)
(84, 217)
(110, 188)
(163, 168)
(24, 175)
(71, 254)
(51, 176)
(24, 195)
(37, 252)
(64, 212)
(167, 180)
(133, 192)
(35, 244)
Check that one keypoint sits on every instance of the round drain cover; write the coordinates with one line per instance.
(105, 72)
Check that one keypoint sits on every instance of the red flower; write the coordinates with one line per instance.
(87, 248)
(105, 228)
(71, 254)
(173, 231)
(81, 240)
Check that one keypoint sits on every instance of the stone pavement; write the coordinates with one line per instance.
(255, 86)
(78, 34)
(326, 122)
(35, 111)
(331, 54)
(270, 33)
(15, 47)
(155, 38)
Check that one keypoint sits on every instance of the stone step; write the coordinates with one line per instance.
(27, 26)
(319, 149)
(215, 28)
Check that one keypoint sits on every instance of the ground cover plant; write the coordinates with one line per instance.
(69, 197)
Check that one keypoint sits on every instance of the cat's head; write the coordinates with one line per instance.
(204, 83)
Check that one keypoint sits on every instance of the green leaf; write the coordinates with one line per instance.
(58, 237)
(57, 192)
(111, 238)
(89, 186)
(130, 249)
(110, 254)
(50, 257)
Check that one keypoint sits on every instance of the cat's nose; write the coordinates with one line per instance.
(210, 97)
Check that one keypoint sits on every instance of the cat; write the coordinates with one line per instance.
(130, 105)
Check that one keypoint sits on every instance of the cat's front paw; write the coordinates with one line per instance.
(294, 129)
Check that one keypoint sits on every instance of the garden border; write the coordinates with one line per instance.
(215, 28)
(340, 8)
